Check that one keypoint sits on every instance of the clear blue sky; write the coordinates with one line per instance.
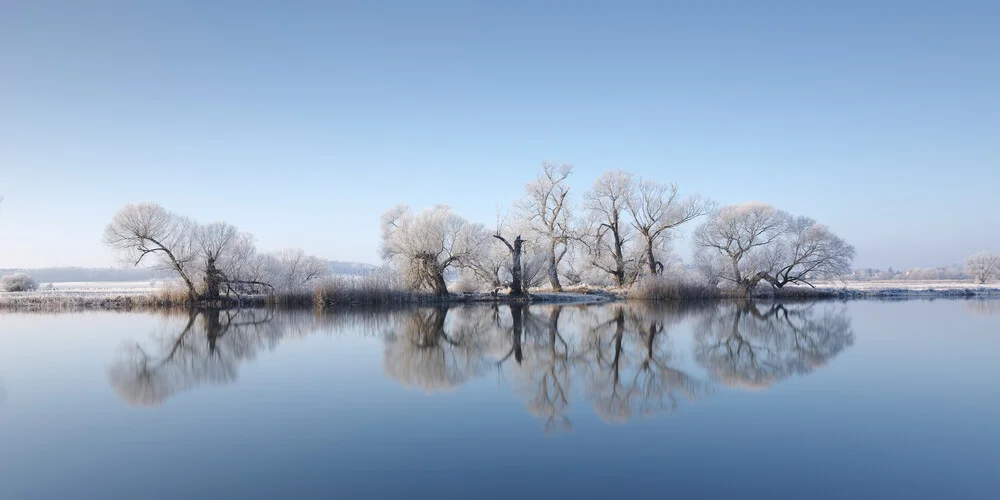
(302, 121)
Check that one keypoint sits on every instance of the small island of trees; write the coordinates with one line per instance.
(618, 239)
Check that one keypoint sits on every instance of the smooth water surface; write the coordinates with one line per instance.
(723, 400)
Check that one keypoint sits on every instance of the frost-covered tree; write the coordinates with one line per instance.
(488, 266)
(223, 251)
(293, 269)
(18, 282)
(733, 243)
(515, 246)
(656, 209)
(211, 260)
(425, 245)
(746, 244)
(546, 206)
(144, 231)
(808, 251)
(984, 267)
(609, 232)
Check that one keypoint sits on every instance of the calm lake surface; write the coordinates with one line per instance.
(724, 400)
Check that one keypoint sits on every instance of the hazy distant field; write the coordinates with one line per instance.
(915, 285)
(104, 286)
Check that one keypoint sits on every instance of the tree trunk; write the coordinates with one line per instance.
(439, 284)
(213, 279)
(516, 275)
(619, 258)
(651, 259)
(554, 269)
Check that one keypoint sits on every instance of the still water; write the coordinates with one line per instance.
(721, 400)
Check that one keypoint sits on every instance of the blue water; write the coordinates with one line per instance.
(803, 400)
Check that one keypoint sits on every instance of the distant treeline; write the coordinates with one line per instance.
(64, 274)
(952, 272)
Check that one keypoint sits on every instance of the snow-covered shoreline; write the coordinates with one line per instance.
(129, 295)
(908, 289)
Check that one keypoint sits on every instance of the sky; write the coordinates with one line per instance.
(301, 122)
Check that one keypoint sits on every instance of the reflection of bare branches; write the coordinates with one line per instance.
(744, 347)
(431, 353)
(545, 373)
(206, 351)
(627, 364)
(983, 306)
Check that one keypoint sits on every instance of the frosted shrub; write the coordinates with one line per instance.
(984, 267)
(18, 282)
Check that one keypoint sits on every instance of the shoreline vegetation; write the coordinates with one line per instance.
(377, 292)
(615, 245)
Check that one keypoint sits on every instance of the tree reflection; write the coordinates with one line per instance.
(741, 346)
(983, 306)
(620, 358)
(435, 349)
(208, 348)
(627, 362)
(543, 375)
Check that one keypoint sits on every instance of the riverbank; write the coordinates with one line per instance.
(111, 298)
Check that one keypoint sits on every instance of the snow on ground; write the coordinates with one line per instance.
(103, 286)
(916, 285)
(69, 295)
(910, 288)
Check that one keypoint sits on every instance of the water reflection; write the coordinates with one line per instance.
(747, 347)
(435, 349)
(620, 359)
(208, 348)
(983, 306)
(626, 364)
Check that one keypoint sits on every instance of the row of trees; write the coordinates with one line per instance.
(982, 267)
(212, 260)
(621, 232)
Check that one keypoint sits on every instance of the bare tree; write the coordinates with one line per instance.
(426, 244)
(809, 251)
(736, 238)
(489, 265)
(656, 209)
(294, 269)
(610, 233)
(983, 266)
(222, 249)
(211, 259)
(144, 230)
(546, 206)
(515, 248)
